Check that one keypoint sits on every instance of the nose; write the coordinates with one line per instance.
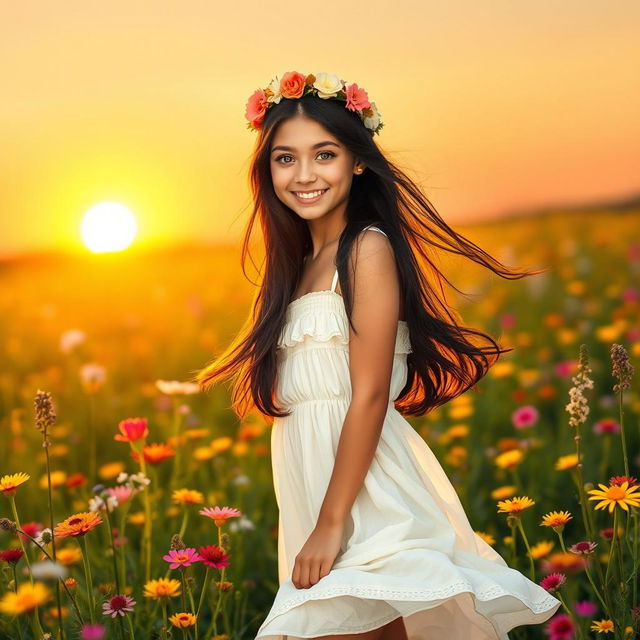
(304, 174)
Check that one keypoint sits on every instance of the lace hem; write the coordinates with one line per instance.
(545, 603)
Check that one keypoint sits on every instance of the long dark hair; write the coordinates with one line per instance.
(445, 361)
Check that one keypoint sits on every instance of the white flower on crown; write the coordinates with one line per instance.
(327, 85)
(372, 122)
(274, 87)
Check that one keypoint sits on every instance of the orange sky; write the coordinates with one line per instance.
(495, 105)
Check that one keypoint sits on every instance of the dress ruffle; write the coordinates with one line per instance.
(328, 323)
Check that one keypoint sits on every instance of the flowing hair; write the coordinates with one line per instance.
(445, 360)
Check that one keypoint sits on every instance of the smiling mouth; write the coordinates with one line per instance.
(309, 196)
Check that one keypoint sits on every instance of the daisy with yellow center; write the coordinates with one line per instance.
(162, 588)
(616, 495)
(10, 483)
(28, 597)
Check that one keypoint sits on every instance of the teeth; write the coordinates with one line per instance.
(313, 194)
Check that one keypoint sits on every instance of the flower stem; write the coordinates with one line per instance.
(205, 586)
(15, 585)
(12, 500)
(87, 575)
(113, 549)
(526, 542)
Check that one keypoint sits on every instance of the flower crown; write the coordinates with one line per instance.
(324, 85)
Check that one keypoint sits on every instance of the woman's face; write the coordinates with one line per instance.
(306, 159)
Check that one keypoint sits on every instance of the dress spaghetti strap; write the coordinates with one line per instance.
(334, 282)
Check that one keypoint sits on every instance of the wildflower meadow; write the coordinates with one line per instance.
(134, 506)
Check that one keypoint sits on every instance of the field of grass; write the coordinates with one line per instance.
(88, 344)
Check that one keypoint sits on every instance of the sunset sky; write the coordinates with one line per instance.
(493, 106)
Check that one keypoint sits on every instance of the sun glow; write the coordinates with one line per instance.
(108, 227)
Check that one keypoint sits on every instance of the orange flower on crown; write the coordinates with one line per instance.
(77, 525)
(154, 453)
(10, 483)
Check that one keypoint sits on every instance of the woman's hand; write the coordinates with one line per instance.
(315, 559)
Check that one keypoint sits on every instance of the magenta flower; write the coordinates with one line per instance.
(181, 557)
(586, 608)
(92, 631)
(560, 627)
(553, 581)
(214, 556)
(525, 416)
(118, 605)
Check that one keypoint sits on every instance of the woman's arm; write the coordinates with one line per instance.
(375, 316)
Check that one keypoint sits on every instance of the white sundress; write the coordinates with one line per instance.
(408, 548)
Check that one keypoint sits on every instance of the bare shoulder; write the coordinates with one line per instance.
(373, 246)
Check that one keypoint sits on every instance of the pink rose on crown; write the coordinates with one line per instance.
(256, 108)
(292, 84)
(357, 99)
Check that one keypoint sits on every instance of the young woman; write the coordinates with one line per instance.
(347, 336)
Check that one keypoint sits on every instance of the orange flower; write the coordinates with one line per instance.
(27, 598)
(602, 626)
(515, 505)
(154, 453)
(77, 525)
(556, 520)
(162, 588)
(182, 620)
(292, 84)
(187, 496)
(9, 484)
(132, 429)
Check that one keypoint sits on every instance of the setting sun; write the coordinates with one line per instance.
(108, 227)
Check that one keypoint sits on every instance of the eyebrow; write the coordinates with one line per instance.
(315, 146)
